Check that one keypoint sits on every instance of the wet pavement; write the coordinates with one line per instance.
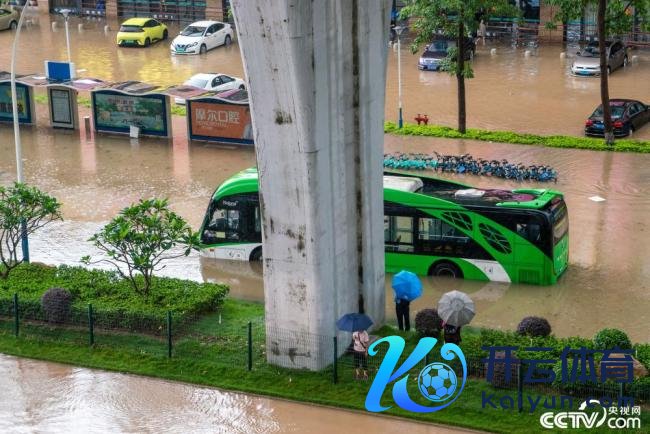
(80, 400)
(510, 91)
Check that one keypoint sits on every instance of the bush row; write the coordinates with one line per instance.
(623, 145)
(115, 304)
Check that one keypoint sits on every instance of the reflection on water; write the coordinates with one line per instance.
(79, 400)
(533, 94)
(607, 283)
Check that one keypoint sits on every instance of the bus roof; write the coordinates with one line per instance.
(416, 187)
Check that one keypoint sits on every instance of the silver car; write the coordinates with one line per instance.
(8, 19)
(588, 61)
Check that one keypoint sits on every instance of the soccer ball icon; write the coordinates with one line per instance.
(437, 382)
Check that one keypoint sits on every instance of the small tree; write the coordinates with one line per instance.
(23, 210)
(455, 19)
(140, 238)
(614, 17)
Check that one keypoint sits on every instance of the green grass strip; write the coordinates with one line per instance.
(595, 144)
(198, 364)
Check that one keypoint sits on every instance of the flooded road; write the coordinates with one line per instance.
(80, 400)
(607, 283)
(532, 93)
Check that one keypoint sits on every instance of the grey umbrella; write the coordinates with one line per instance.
(456, 308)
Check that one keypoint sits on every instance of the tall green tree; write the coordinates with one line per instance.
(456, 19)
(23, 210)
(614, 18)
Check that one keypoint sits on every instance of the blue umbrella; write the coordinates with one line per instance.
(407, 286)
(352, 322)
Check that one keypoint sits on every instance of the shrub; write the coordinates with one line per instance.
(115, 304)
(428, 323)
(56, 303)
(606, 339)
(623, 145)
(534, 326)
(643, 354)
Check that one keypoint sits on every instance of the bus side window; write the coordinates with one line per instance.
(398, 233)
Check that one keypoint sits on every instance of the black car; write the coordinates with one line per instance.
(437, 51)
(628, 116)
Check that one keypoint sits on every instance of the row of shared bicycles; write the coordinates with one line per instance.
(467, 164)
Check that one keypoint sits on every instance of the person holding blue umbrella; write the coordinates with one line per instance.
(406, 287)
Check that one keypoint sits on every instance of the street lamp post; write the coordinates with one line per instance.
(398, 31)
(14, 108)
(66, 14)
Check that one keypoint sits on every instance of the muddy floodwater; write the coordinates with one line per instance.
(511, 90)
(607, 283)
(80, 400)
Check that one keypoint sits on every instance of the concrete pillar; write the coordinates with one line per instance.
(111, 9)
(214, 10)
(316, 74)
(546, 14)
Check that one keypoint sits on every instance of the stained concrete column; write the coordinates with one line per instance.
(316, 74)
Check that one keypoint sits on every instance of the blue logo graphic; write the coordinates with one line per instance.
(437, 382)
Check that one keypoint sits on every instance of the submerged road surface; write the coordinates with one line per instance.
(48, 397)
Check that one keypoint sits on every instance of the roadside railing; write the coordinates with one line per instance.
(249, 346)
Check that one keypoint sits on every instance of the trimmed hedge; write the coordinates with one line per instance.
(622, 145)
(115, 304)
(612, 338)
(534, 326)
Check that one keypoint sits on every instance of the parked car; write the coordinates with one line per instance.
(141, 32)
(8, 19)
(628, 116)
(213, 82)
(588, 61)
(199, 37)
(437, 51)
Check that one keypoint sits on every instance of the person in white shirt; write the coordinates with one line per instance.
(361, 341)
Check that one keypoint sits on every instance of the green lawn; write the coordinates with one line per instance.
(212, 351)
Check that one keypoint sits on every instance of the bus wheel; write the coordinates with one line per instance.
(445, 269)
(256, 255)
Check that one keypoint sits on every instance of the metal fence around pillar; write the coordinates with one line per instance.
(169, 333)
(335, 373)
(16, 315)
(250, 346)
(91, 331)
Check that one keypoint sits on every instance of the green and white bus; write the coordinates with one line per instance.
(431, 227)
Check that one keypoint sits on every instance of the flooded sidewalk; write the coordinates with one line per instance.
(49, 397)
(607, 283)
(511, 91)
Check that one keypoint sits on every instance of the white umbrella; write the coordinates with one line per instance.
(456, 308)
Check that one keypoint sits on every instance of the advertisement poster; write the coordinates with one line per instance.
(220, 121)
(61, 106)
(117, 112)
(6, 114)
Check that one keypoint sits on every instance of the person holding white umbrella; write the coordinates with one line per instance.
(456, 310)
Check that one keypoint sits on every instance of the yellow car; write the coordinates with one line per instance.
(141, 32)
(8, 19)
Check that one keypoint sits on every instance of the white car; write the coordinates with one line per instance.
(199, 37)
(213, 82)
